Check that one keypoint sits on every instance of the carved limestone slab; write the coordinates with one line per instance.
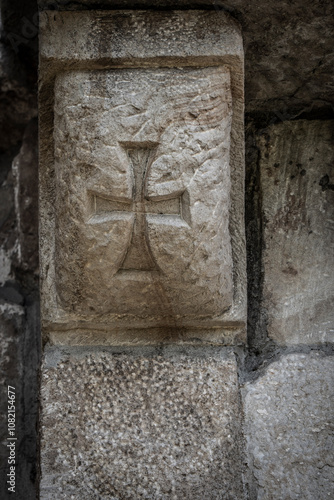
(141, 178)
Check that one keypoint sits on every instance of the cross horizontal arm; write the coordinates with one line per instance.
(166, 207)
(111, 205)
(170, 206)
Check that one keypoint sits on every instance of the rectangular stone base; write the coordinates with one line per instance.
(140, 423)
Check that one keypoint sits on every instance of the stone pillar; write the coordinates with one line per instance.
(142, 254)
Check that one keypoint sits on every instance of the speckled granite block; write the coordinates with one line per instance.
(138, 424)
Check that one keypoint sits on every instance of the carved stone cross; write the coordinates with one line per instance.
(142, 168)
(138, 255)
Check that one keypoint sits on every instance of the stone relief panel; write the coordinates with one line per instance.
(142, 168)
(141, 178)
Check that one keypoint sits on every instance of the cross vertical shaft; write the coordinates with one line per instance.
(139, 256)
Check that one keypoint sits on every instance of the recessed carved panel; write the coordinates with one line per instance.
(143, 192)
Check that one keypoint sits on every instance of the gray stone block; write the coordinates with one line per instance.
(297, 181)
(289, 429)
(140, 425)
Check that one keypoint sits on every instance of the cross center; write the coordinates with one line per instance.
(138, 255)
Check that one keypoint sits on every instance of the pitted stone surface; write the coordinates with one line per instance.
(297, 181)
(145, 426)
(289, 429)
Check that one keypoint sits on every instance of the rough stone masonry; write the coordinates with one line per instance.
(145, 380)
(285, 370)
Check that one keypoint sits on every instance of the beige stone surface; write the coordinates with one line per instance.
(289, 429)
(297, 180)
(141, 175)
(162, 425)
(142, 182)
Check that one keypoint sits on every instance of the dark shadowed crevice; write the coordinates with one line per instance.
(256, 326)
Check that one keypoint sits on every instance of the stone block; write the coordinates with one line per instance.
(144, 423)
(297, 181)
(289, 429)
(141, 176)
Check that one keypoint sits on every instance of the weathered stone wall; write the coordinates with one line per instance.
(19, 294)
(289, 376)
(285, 374)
